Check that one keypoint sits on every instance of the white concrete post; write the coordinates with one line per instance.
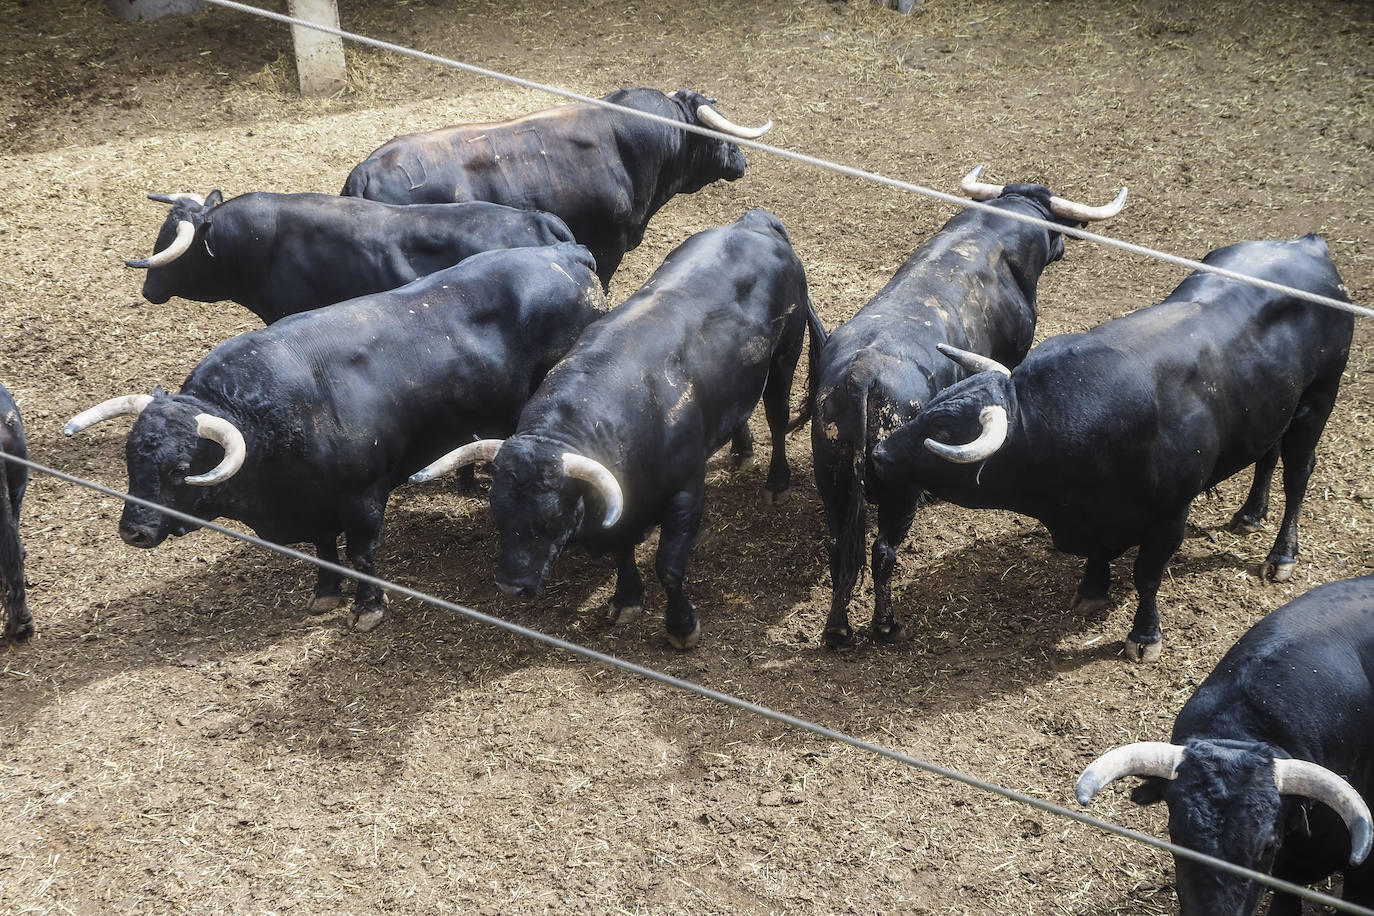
(319, 55)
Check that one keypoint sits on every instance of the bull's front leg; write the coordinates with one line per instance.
(627, 603)
(742, 447)
(1096, 584)
(328, 584)
(363, 537)
(18, 620)
(678, 532)
(1146, 640)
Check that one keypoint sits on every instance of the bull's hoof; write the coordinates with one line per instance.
(616, 616)
(774, 497)
(835, 637)
(367, 618)
(20, 633)
(1244, 524)
(739, 461)
(888, 633)
(323, 604)
(690, 641)
(1144, 652)
(1278, 569)
(1082, 605)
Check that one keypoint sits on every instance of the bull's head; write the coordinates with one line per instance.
(966, 424)
(178, 262)
(1224, 799)
(538, 497)
(713, 159)
(169, 442)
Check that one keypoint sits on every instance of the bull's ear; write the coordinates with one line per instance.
(1150, 790)
(214, 199)
(159, 391)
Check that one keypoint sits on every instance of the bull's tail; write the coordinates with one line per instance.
(817, 336)
(18, 622)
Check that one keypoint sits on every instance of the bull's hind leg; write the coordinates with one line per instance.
(776, 393)
(1299, 452)
(363, 537)
(678, 531)
(328, 584)
(846, 518)
(627, 603)
(895, 513)
(1146, 640)
(1256, 508)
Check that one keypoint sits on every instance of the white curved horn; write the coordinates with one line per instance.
(1144, 758)
(218, 429)
(175, 199)
(1302, 777)
(717, 121)
(580, 467)
(979, 190)
(124, 405)
(186, 233)
(973, 362)
(481, 450)
(1085, 214)
(993, 419)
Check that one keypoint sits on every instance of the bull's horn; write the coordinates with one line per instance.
(175, 199)
(973, 362)
(1083, 213)
(124, 405)
(218, 429)
(580, 467)
(1302, 777)
(717, 121)
(979, 190)
(186, 233)
(993, 419)
(481, 450)
(1144, 758)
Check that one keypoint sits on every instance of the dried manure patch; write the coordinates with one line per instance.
(181, 735)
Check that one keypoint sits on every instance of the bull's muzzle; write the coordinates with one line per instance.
(138, 537)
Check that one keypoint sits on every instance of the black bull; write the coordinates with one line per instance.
(971, 285)
(1276, 725)
(604, 172)
(278, 254)
(14, 480)
(616, 439)
(1107, 436)
(301, 429)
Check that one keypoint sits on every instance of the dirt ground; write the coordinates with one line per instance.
(181, 736)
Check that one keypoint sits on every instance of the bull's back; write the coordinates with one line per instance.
(1299, 679)
(683, 361)
(456, 349)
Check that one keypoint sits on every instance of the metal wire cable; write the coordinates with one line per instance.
(1131, 247)
(726, 699)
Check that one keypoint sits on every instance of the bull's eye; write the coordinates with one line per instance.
(183, 466)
